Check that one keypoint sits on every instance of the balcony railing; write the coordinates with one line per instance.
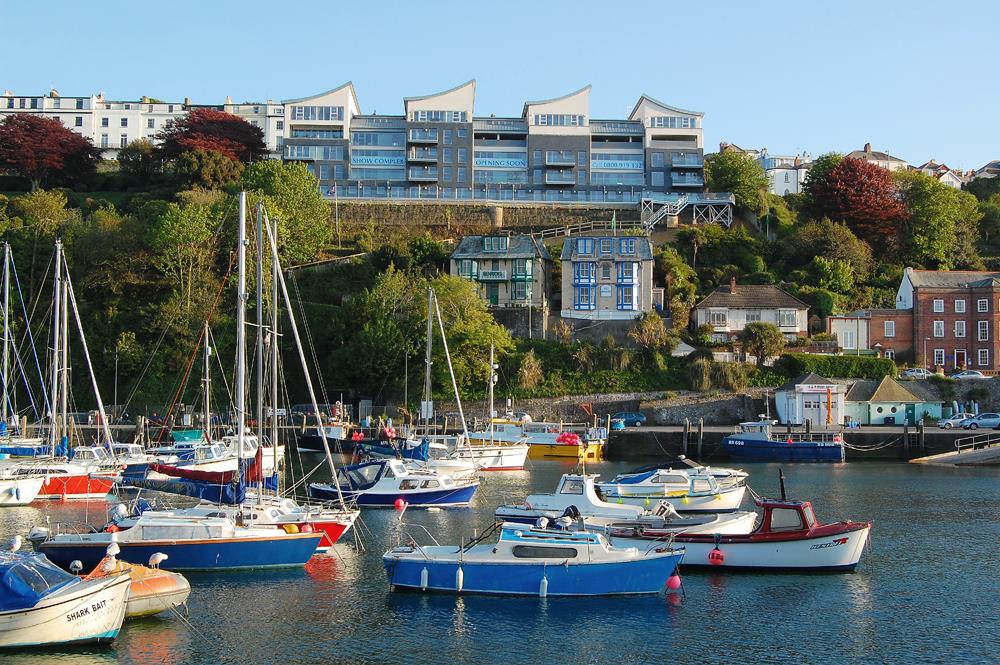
(421, 174)
(521, 277)
(692, 161)
(492, 275)
(616, 127)
(556, 158)
(423, 136)
(681, 180)
(423, 155)
(559, 178)
(502, 125)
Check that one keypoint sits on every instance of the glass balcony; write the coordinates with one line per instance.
(422, 174)
(423, 136)
(423, 155)
(560, 158)
(688, 161)
(560, 178)
(492, 275)
(616, 128)
(685, 180)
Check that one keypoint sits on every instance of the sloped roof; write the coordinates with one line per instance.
(349, 84)
(751, 296)
(538, 102)
(886, 390)
(811, 378)
(518, 247)
(662, 105)
(950, 279)
(643, 248)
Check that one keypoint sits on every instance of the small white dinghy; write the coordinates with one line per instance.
(688, 490)
(43, 605)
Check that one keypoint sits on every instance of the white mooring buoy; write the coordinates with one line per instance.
(423, 579)
(459, 579)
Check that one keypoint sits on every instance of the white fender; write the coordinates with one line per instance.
(423, 579)
(459, 579)
(543, 588)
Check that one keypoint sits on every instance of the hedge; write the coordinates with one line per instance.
(844, 367)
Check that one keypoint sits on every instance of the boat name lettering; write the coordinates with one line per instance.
(736, 443)
(834, 543)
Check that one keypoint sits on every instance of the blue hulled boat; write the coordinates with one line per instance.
(755, 441)
(382, 482)
(533, 561)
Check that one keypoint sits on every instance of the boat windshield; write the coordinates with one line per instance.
(27, 578)
(361, 477)
(572, 487)
(807, 511)
(786, 519)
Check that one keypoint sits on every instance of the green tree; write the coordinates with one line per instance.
(940, 228)
(530, 373)
(833, 274)
(829, 240)
(740, 174)
(650, 334)
(815, 178)
(290, 195)
(138, 160)
(183, 240)
(763, 340)
(207, 168)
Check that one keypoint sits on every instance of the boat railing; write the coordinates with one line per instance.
(402, 531)
(79, 529)
(776, 435)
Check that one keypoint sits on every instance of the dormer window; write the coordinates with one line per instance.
(495, 243)
(585, 246)
(628, 246)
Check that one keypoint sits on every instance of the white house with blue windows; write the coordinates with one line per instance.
(607, 277)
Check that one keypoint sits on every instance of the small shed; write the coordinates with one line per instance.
(811, 397)
(887, 402)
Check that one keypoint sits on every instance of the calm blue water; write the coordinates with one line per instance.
(928, 591)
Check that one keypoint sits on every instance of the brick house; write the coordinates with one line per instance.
(889, 332)
(956, 317)
(729, 308)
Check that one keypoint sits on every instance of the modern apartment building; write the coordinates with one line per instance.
(111, 124)
(607, 277)
(511, 271)
(440, 149)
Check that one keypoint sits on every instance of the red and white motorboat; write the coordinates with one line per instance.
(787, 538)
(64, 480)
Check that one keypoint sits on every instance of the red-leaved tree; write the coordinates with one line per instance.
(863, 196)
(44, 151)
(207, 129)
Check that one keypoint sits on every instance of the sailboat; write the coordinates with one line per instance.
(198, 541)
(63, 479)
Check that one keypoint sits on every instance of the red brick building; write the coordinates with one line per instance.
(887, 331)
(956, 317)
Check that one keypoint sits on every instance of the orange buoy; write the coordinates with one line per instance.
(716, 557)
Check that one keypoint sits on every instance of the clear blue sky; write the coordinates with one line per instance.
(918, 78)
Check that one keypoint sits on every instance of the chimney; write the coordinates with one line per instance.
(229, 100)
(868, 147)
(732, 285)
(187, 101)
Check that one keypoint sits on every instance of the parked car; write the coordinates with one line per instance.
(969, 374)
(630, 418)
(617, 424)
(983, 420)
(915, 373)
(955, 420)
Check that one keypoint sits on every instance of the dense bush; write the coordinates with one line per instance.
(848, 367)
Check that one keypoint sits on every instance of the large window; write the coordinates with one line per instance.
(627, 298)
(446, 136)
(617, 161)
(627, 246)
(657, 179)
(626, 273)
(393, 139)
(672, 122)
(959, 328)
(520, 290)
(753, 316)
(617, 178)
(439, 116)
(983, 357)
(983, 331)
(298, 133)
(369, 157)
(317, 113)
(585, 246)
(938, 305)
(559, 120)
(939, 328)
(584, 297)
(657, 160)
(889, 329)
(463, 155)
(786, 317)
(328, 152)
(717, 317)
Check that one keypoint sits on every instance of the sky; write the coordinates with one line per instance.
(916, 78)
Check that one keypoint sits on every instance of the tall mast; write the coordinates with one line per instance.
(260, 323)
(274, 351)
(207, 380)
(56, 315)
(491, 380)
(6, 328)
(241, 322)
(64, 384)
(427, 360)
(302, 359)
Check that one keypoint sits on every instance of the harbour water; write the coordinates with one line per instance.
(926, 591)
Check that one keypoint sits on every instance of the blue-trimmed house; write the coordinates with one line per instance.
(607, 277)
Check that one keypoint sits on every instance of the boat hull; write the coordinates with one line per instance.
(724, 501)
(643, 575)
(491, 457)
(829, 553)
(455, 496)
(208, 554)
(92, 613)
(586, 451)
(759, 450)
(156, 591)
(19, 491)
(66, 487)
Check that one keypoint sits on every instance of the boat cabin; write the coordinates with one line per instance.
(128, 451)
(91, 455)
(784, 516)
(360, 477)
(230, 443)
(210, 453)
